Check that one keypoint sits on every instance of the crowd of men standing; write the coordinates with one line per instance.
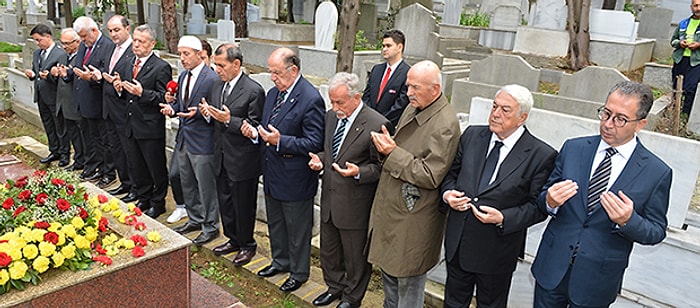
(396, 175)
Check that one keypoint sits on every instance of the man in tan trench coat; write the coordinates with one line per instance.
(406, 226)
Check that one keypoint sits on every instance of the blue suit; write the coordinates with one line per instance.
(290, 184)
(595, 276)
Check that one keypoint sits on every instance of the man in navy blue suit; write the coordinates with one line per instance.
(606, 193)
(291, 127)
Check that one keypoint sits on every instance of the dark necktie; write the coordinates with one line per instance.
(187, 87)
(42, 56)
(224, 93)
(87, 55)
(490, 166)
(599, 181)
(383, 84)
(338, 137)
(278, 104)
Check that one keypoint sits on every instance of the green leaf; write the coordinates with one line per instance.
(27, 277)
(17, 284)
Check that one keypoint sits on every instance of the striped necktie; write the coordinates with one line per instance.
(338, 137)
(278, 104)
(599, 181)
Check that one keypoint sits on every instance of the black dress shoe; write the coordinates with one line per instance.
(48, 159)
(63, 161)
(205, 237)
(131, 197)
(91, 177)
(118, 191)
(106, 181)
(155, 211)
(269, 271)
(290, 285)
(243, 257)
(225, 248)
(326, 298)
(347, 305)
(143, 206)
(74, 167)
(187, 228)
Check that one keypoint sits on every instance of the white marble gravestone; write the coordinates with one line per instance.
(226, 30)
(549, 14)
(615, 26)
(453, 12)
(326, 25)
(197, 23)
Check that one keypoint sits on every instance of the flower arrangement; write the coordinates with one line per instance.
(47, 221)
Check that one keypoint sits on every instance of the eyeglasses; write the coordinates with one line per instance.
(604, 114)
(69, 42)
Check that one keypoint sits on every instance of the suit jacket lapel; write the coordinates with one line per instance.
(358, 126)
(634, 166)
(479, 148)
(583, 177)
(289, 103)
(515, 157)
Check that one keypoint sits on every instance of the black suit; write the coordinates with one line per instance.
(87, 95)
(346, 203)
(145, 131)
(67, 111)
(484, 253)
(45, 97)
(393, 99)
(238, 160)
(114, 113)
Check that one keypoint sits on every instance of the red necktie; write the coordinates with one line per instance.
(87, 55)
(384, 81)
(136, 68)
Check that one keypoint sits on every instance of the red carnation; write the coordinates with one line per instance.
(137, 251)
(100, 250)
(8, 203)
(138, 211)
(58, 182)
(5, 259)
(130, 220)
(39, 173)
(103, 259)
(25, 195)
(62, 204)
(85, 196)
(41, 198)
(140, 226)
(51, 237)
(42, 225)
(139, 240)
(103, 224)
(20, 183)
(82, 213)
(8, 186)
(18, 210)
(102, 198)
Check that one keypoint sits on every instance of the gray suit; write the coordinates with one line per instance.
(45, 96)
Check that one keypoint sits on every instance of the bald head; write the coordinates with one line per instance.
(424, 84)
(283, 65)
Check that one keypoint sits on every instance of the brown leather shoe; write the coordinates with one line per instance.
(243, 257)
(225, 248)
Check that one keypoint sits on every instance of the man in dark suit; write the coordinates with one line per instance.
(145, 125)
(87, 94)
(66, 111)
(118, 59)
(492, 191)
(352, 169)
(623, 199)
(195, 147)
(291, 127)
(386, 87)
(46, 57)
(234, 99)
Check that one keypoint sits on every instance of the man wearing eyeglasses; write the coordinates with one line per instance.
(606, 193)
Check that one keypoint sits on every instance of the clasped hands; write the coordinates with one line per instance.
(691, 46)
(461, 203)
(222, 115)
(619, 207)
(351, 169)
(270, 135)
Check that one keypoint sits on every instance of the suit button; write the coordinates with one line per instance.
(476, 199)
(585, 225)
(129, 113)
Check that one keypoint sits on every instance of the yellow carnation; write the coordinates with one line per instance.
(91, 233)
(61, 238)
(106, 207)
(15, 253)
(122, 218)
(18, 269)
(77, 222)
(47, 249)
(37, 235)
(81, 242)
(109, 239)
(131, 206)
(93, 201)
(4, 275)
(128, 244)
(41, 264)
(57, 259)
(154, 236)
(69, 230)
(68, 251)
(97, 214)
(30, 251)
(111, 250)
(55, 226)
(117, 213)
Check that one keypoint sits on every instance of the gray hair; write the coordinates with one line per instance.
(521, 95)
(84, 23)
(147, 29)
(232, 52)
(638, 90)
(70, 31)
(351, 81)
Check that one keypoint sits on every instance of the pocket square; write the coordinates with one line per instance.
(410, 195)
(392, 91)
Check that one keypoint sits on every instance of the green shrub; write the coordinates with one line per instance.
(78, 11)
(475, 20)
(7, 47)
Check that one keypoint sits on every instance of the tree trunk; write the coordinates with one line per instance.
(140, 13)
(349, 16)
(51, 10)
(239, 11)
(170, 25)
(119, 7)
(579, 37)
(290, 10)
(68, 12)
